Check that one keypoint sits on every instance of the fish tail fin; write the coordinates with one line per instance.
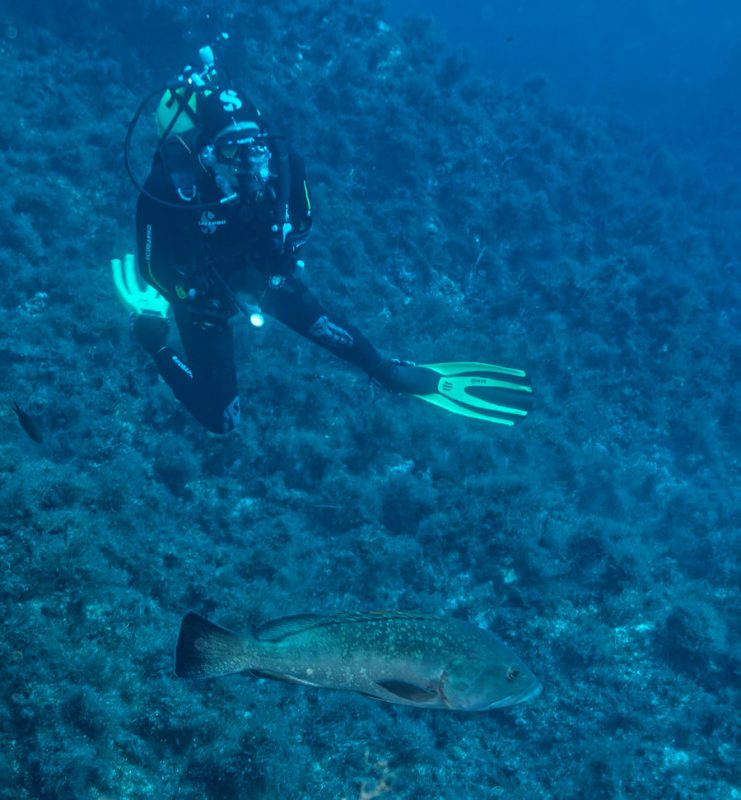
(206, 650)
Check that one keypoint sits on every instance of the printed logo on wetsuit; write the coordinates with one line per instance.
(230, 101)
(208, 223)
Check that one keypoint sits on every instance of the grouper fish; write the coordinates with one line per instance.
(400, 657)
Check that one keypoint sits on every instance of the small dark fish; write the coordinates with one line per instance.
(408, 658)
(28, 423)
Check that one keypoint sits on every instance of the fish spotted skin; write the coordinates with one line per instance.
(400, 657)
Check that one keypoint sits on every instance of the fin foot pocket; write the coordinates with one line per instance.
(405, 377)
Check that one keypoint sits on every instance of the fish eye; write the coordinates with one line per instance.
(512, 673)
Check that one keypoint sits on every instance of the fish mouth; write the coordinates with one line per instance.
(519, 697)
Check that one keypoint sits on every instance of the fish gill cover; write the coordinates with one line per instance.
(457, 218)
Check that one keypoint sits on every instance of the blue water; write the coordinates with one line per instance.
(567, 204)
(670, 68)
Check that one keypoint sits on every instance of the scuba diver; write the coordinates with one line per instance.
(221, 221)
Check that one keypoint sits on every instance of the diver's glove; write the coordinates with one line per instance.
(151, 331)
(405, 377)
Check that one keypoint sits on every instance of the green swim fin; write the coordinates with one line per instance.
(137, 298)
(483, 391)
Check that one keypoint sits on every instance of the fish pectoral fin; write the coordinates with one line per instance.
(408, 691)
(279, 676)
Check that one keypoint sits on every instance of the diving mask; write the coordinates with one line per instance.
(243, 148)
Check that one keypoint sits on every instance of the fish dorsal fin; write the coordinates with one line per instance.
(278, 629)
(408, 691)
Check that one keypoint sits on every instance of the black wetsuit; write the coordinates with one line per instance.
(186, 252)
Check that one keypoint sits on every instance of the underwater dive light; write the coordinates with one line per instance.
(256, 318)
